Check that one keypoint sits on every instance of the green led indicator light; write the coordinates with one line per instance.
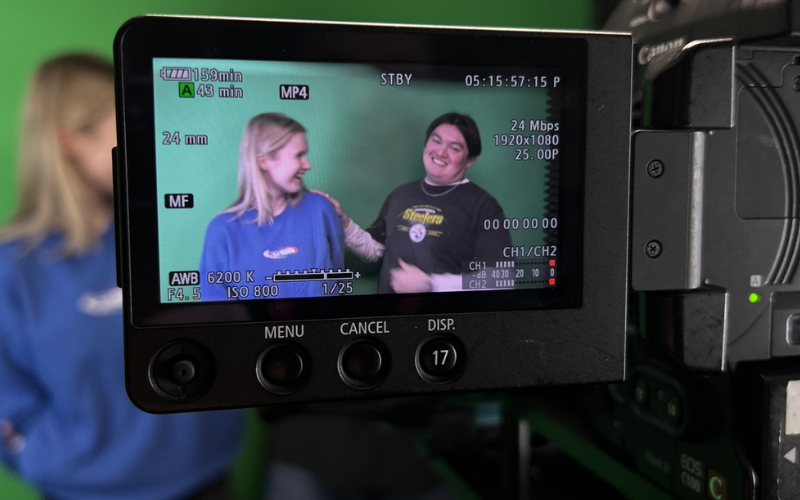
(755, 298)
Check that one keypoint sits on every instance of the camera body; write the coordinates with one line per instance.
(716, 93)
(547, 306)
(707, 408)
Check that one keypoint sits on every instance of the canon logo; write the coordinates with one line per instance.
(648, 52)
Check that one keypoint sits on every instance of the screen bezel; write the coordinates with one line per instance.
(311, 42)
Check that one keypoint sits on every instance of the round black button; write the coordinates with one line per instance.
(182, 371)
(362, 362)
(283, 366)
(438, 358)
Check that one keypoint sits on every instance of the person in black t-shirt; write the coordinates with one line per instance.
(429, 230)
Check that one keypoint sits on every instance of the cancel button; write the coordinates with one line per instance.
(364, 327)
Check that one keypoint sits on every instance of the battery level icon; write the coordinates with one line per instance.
(176, 74)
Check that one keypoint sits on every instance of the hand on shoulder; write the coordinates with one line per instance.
(339, 212)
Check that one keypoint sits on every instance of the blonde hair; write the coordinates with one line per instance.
(72, 92)
(265, 134)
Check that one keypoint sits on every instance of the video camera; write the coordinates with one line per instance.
(663, 260)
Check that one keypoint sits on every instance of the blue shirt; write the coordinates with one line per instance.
(62, 388)
(305, 237)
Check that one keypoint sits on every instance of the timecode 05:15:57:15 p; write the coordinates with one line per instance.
(515, 81)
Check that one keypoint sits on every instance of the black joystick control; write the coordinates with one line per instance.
(181, 371)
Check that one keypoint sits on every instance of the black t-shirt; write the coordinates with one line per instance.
(439, 229)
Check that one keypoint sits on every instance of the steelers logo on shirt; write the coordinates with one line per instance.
(417, 233)
(421, 222)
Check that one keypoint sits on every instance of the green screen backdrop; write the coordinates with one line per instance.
(30, 32)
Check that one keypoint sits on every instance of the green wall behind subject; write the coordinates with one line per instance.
(33, 31)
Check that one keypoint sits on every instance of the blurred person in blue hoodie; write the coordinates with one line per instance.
(66, 423)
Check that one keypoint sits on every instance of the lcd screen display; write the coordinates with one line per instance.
(280, 179)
